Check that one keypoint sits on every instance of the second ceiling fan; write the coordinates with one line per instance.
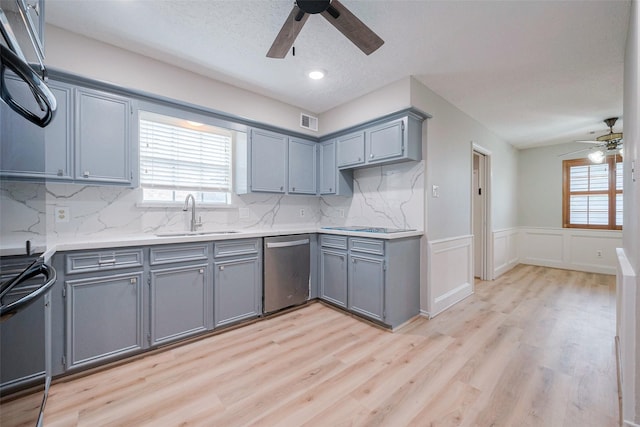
(334, 12)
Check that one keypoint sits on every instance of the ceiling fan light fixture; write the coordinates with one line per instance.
(317, 74)
(596, 156)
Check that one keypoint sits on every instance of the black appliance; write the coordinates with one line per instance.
(16, 26)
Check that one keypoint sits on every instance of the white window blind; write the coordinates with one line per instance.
(173, 157)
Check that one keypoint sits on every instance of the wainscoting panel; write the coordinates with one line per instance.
(505, 250)
(592, 251)
(450, 272)
(626, 324)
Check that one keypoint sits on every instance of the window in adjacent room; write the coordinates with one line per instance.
(592, 193)
(178, 157)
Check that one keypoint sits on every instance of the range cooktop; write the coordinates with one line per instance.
(368, 229)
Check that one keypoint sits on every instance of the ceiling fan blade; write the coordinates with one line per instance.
(586, 141)
(353, 28)
(288, 33)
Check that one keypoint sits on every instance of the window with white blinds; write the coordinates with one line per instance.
(592, 193)
(178, 157)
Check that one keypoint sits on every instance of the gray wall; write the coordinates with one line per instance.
(540, 184)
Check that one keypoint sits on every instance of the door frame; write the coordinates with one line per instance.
(487, 248)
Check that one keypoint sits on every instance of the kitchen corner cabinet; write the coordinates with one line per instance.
(332, 180)
(103, 137)
(333, 276)
(29, 151)
(180, 291)
(380, 281)
(237, 281)
(383, 142)
(302, 166)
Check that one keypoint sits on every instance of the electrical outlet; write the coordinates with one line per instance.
(301, 212)
(599, 254)
(62, 214)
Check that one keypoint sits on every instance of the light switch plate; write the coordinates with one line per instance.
(435, 191)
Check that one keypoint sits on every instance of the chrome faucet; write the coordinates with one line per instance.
(185, 208)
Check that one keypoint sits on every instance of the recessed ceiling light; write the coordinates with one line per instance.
(317, 74)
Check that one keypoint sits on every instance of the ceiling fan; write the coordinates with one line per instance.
(604, 143)
(334, 12)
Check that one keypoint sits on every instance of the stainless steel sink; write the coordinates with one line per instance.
(195, 233)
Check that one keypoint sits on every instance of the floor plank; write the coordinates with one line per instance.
(532, 348)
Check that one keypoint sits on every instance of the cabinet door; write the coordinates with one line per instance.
(104, 318)
(333, 277)
(103, 137)
(302, 166)
(268, 161)
(30, 151)
(350, 149)
(238, 290)
(385, 141)
(328, 167)
(180, 302)
(366, 286)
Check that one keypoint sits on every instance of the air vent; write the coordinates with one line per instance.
(308, 122)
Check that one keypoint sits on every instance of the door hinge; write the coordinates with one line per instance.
(131, 175)
(149, 279)
(149, 338)
(479, 191)
(64, 361)
(64, 292)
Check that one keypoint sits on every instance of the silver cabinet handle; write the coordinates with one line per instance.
(60, 172)
(86, 174)
(371, 156)
(287, 244)
(106, 261)
(293, 189)
(221, 268)
(134, 280)
(281, 188)
(202, 271)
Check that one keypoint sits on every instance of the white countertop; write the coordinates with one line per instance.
(89, 242)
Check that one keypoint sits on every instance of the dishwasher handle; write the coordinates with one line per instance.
(287, 244)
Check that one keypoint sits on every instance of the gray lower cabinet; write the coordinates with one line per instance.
(237, 280)
(375, 278)
(366, 286)
(333, 276)
(104, 318)
(238, 290)
(179, 302)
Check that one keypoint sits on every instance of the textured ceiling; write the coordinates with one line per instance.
(534, 72)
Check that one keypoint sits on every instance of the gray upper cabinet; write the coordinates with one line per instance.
(302, 166)
(332, 180)
(104, 318)
(21, 152)
(268, 164)
(350, 150)
(103, 137)
(391, 140)
(384, 142)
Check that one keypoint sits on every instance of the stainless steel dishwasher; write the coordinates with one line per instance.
(286, 271)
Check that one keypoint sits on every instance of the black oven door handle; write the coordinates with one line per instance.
(33, 270)
(42, 94)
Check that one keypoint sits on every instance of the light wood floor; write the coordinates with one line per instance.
(533, 348)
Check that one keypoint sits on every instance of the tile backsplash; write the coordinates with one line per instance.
(384, 196)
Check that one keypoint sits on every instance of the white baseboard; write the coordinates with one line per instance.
(626, 331)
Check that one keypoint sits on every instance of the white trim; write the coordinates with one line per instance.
(505, 250)
(449, 272)
(626, 324)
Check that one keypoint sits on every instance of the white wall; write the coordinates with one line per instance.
(631, 234)
(100, 61)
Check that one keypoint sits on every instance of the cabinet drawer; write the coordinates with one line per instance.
(236, 247)
(179, 253)
(103, 260)
(369, 246)
(329, 241)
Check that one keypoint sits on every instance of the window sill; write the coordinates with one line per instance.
(180, 205)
